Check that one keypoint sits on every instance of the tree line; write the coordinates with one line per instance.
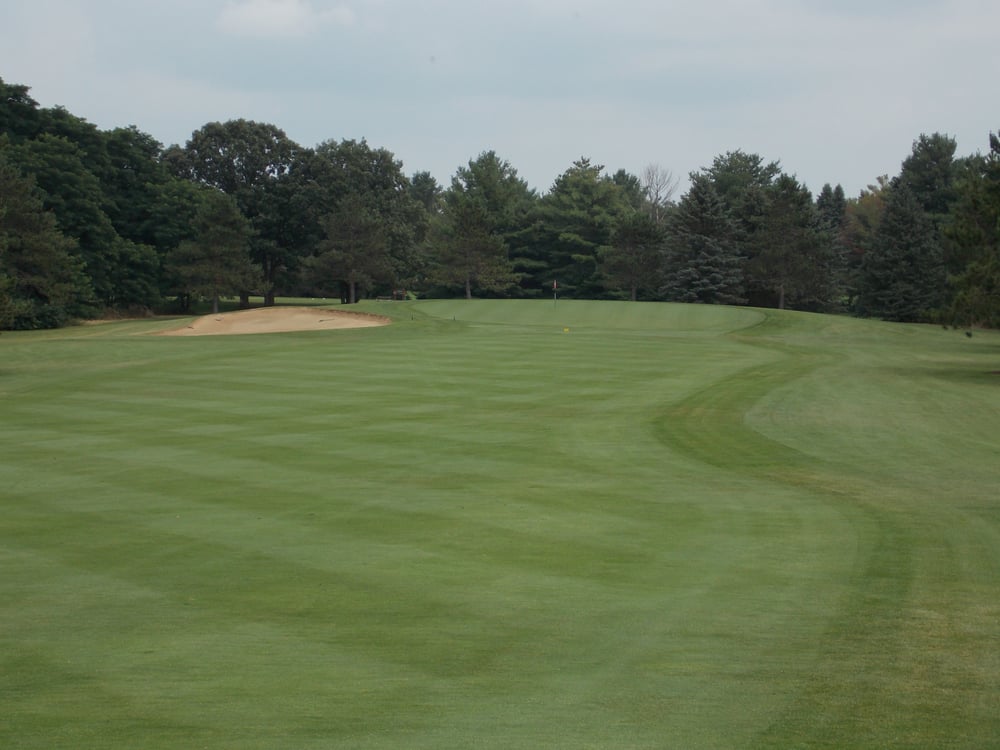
(93, 221)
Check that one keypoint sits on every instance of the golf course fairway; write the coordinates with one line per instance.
(502, 524)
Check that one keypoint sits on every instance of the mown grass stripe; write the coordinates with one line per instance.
(668, 526)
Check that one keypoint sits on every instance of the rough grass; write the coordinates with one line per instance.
(669, 526)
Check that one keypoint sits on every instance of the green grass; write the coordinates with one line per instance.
(669, 526)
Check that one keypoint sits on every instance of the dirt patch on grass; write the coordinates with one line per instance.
(276, 320)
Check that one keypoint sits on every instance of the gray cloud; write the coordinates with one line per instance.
(275, 19)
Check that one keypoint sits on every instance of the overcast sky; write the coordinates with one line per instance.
(836, 90)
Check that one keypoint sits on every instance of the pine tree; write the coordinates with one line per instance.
(216, 263)
(902, 275)
(354, 253)
(42, 282)
(929, 173)
(972, 231)
(483, 214)
(703, 264)
(471, 255)
(790, 260)
(576, 220)
(831, 213)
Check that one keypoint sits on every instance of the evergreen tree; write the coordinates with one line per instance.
(216, 263)
(488, 196)
(704, 264)
(831, 206)
(973, 233)
(471, 254)
(831, 214)
(424, 189)
(354, 255)
(633, 192)
(863, 215)
(902, 275)
(790, 261)
(929, 173)
(742, 181)
(427, 193)
(576, 220)
(75, 196)
(42, 282)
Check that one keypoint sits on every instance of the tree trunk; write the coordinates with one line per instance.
(781, 296)
(634, 293)
(353, 293)
(215, 305)
(244, 300)
(468, 288)
(269, 298)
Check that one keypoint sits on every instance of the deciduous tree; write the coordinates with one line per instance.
(354, 171)
(134, 183)
(246, 160)
(20, 118)
(634, 261)
(659, 185)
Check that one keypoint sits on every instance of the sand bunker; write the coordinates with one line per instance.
(276, 320)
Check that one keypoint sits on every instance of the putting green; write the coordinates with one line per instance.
(502, 524)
